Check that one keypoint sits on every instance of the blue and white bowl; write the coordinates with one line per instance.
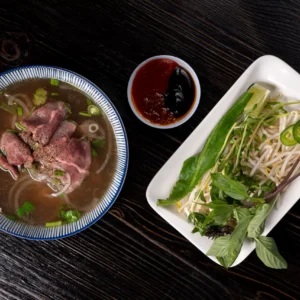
(43, 233)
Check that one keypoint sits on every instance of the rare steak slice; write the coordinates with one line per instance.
(44, 121)
(16, 151)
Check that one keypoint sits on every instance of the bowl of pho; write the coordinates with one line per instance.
(64, 153)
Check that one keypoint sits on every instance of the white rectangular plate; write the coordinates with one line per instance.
(267, 69)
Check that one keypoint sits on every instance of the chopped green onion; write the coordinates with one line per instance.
(82, 113)
(54, 94)
(56, 181)
(89, 101)
(12, 109)
(68, 108)
(12, 130)
(59, 173)
(21, 127)
(61, 196)
(98, 143)
(53, 224)
(4, 153)
(34, 166)
(94, 110)
(11, 217)
(70, 216)
(94, 152)
(20, 111)
(40, 97)
(54, 82)
(26, 208)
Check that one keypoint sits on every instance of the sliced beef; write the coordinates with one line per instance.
(66, 128)
(75, 160)
(76, 154)
(57, 144)
(44, 121)
(26, 137)
(48, 153)
(6, 166)
(17, 152)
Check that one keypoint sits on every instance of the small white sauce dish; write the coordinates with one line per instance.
(194, 106)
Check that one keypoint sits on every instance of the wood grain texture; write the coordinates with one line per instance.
(131, 253)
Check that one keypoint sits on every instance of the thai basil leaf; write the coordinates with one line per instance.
(267, 252)
(222, 261)
(256, 224)
(232, 188)
(195, 167)
(220, 214)
(240, 213)
(197, 219)
(220, 247)
(236, 239)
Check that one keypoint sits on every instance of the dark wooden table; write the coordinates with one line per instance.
(131, 253)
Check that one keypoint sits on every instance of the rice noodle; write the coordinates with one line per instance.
(65, 188)
(13, 99)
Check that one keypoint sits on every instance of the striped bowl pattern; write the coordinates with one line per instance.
(40, 232)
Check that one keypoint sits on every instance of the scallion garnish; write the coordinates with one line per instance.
(85, 114)
(94, 110)
(33, 109)
(68, 108)
(53, 224)
(54, 94)
(40, 97)
(20, 126)
(89, 101)
(70, 216)
(94, 152)
(11, 217)
(98, 143)
(59, 173)
(19, 111)
(26, 208)
(12, 130)
(54, 82)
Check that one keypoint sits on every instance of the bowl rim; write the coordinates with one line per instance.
(124, 171)
(197, 90)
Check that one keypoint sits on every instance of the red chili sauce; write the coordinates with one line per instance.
(162, 91)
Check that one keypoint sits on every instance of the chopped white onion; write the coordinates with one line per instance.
(13, 99)
(65, 188)
(108, 155)
(88, 128)
(36, 176)
(93, 128)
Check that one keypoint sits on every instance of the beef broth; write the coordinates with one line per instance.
(59, 144)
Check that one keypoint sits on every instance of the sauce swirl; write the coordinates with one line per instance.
(162, 91)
